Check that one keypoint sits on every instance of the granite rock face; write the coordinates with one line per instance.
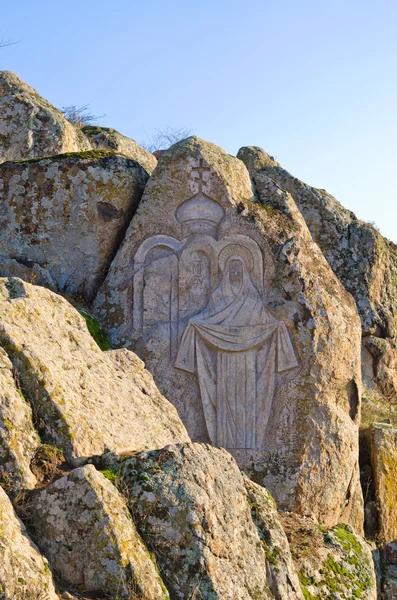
(190, 504)
(364, 261)
(110, 139)
(281, 575)
(89, 402)
(225, 295)
(24, 573)
(18, 438)
(384, 468)
(62, 219)
(83, 527)
(30, 126)
(331, 563)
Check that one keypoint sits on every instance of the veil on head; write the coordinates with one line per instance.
(226, 283)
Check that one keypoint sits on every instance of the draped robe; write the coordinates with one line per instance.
(236, 347)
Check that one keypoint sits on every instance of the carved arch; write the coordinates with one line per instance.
(157, 241)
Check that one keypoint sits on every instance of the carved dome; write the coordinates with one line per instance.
(199, 214)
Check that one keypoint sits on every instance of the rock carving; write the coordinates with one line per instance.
(207, 297)
(236, 347)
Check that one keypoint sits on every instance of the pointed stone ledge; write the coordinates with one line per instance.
(30, 126)
(89, 401)
(104, 137)
(83, 526)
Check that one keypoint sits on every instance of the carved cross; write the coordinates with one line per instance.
(200, 170)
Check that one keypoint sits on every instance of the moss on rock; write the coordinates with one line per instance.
(95, 330)
(330, 561)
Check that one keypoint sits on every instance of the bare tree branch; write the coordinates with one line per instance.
(5, 44)
(164, 138)
(80, 116)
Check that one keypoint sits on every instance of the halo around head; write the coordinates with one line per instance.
(236, 250)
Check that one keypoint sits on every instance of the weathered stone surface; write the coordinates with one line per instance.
(190, 504)
(331, 563)
(62, 219)
(18, 438)
(364, 261)
(389, 588)
(256, 158)
(210, 286)
(282, 578)
(83, 527)
(24, 573)
(390, 552)
(89, 401)
(110, 139)
(30, 126)
(384, 467)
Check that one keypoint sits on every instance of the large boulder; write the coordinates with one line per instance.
(364, 261)
(331, 563)
(18, 438)
(110, 139)
(82, 525)
(244, 325)
(88, 402)
(190, 504)
(62, 219)
(30, 126)
(24, 573)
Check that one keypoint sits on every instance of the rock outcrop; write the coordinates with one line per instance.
(18, 438)
(24, 573)
(364, 261)
(190, 504)
(110, 139)
(300, 434)
(88, 401)
(62, 219)
(258, 303)
(83, 527)
(384, 469)
(331, 563)
(30, 127)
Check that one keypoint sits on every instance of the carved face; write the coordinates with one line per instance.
(235, 272)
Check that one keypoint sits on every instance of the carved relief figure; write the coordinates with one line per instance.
(236, 347)
(202, 300)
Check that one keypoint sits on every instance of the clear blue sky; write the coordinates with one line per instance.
(313, 82)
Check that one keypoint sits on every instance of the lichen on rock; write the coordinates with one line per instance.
(308, 443)
(107, 138)
(63, 218)
(88, 401)
(331, 562)
(30, 126)
(191, 504)
(18, 438)
(24, 573)
(82, 524)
